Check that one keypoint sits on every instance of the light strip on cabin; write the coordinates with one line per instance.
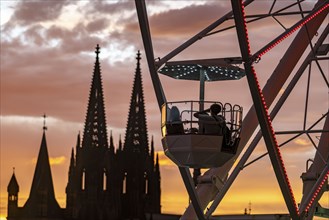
(213, 73)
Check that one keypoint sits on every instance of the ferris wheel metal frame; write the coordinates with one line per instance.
(307, 27)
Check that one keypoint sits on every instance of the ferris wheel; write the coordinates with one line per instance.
(212, 134)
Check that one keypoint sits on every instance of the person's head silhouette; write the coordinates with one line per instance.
(215, 109)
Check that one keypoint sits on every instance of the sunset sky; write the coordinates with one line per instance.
(47, 60)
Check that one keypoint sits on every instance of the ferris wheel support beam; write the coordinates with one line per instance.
(147, 41)
(239, 167)
(313, 189)
(319, 9)
(282, 72)
(271, 89)
(262, 111)
(189, 184)
(197, 37)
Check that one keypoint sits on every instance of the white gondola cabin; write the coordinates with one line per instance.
(187, 141)
(201, 141)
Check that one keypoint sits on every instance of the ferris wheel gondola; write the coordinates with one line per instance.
(206, 140)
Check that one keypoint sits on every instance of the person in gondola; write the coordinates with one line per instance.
(211, 124)
(175, 125)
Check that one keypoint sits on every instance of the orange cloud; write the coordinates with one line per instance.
(53, 160)
(164, 160)
(3, 208)
(302, 142)
(174, 203)
(57, 160)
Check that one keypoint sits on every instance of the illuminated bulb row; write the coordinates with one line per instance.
(274, 138)
(291, 31)
(181, 66)
(316, 192)
(245, 27)
(267, 114)
(231, 73)
(183, 71)
(187, 70)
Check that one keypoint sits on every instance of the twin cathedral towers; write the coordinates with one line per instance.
(104, 183)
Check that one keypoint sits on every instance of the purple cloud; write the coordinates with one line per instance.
(27, 12)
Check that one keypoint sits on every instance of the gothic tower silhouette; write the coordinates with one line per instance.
(41, 203)
(42, 200)
(13, 190)
(87, 186)
(140, 175)
(104, 182)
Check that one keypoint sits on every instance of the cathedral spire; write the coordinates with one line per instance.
(152, 150)
(78, 144)
(72, 161)
(42, 180)
(44, 122)
(13, 187)
(111, 144)
(157, 186)
(136, 134)
(95, 134)
(157, 165)
(12, 190)
(42, 175)
(120, 143)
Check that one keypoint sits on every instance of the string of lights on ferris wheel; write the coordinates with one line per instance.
(257, 56)
(268, 118)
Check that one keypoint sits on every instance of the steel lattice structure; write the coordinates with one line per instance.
(306, 28)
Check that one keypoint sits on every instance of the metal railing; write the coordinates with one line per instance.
(184, 117)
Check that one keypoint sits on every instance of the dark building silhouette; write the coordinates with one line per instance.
(141, 178)
(41, 203)
(104, 183)
(13, 190)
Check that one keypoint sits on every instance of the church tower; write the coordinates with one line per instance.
(138, 162)
(156, 194)
(13, 190)
(104, 182)
(71, 188)
(42, 202)
(136, 139)
(89, 170)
